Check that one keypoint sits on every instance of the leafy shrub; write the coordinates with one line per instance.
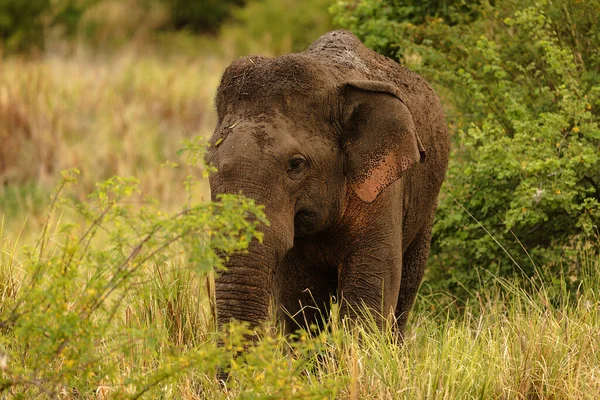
(24, 23)
(381, 24)
(204, 16)
(73, 294)
(520, 83)
(20, 23)
(281, 26)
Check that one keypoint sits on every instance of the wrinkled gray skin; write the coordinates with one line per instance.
(347, 150)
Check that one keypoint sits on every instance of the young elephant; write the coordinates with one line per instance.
(347, 150)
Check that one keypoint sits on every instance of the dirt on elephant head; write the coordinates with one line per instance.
(250, 79)
(333, 59)
(343, 52)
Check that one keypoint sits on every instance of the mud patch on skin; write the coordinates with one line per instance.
(221, 134)
(262, 138)
(259, 83)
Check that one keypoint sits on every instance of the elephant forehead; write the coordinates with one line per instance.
(268, 77)
(275, 136)
(281, 105)
(298, 117)
(241, 134)
(287, 83)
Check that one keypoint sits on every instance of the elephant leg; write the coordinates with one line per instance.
(413, 268)
(303, 293)
(371, 279)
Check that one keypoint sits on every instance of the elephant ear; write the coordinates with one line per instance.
(379, 137)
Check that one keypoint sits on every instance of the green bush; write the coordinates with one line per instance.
(204, 16)
(23, 24)
(83, 302)
(381, 24)
(520, 83)
(20, 23)
(282, 26)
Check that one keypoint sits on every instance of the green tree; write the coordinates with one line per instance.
(202, 16)
(20, 23)
(520, 82)
(283, 25)
(24, 23)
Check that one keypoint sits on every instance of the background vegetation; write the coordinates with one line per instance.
(106, 281)
(520, 81)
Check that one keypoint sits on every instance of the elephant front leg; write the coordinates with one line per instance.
(413, 269)
(370, 281)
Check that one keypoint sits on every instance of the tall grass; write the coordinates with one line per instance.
(124, 114)
(112, 317)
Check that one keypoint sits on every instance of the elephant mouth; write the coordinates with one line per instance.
(304, 223)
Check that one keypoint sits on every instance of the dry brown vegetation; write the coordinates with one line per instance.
(122, 115)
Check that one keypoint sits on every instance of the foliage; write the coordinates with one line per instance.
(522, 92)
(23, 24)
(79, 281)
(20, 22)
(204, 16)
(281, 26)
(111, 310)
(381, 23)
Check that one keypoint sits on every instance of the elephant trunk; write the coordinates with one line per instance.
(244, 291)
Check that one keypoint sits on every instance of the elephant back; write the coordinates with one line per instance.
(343, 52)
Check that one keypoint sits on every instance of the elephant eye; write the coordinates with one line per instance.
(297, 164)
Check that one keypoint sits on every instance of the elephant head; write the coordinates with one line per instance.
(305, 138)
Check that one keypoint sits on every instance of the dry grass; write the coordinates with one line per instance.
(120, 115)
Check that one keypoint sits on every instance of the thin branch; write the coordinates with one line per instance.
(489, 234)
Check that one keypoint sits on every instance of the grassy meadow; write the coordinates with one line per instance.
(99, 298)
(123, 115)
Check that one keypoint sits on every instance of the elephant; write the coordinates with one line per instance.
(347, 151)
